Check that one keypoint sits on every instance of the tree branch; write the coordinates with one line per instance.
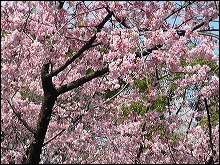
(20, 118)
(118, 19)
(115, 94)
(177, 10)
(84, 48)
(208, 34)
(210, 161)
(179, 32)
(171, 152)
(61, 3)
(148, 51)
(198, 25)
(54, 137)
(59, 133)
(81, 81)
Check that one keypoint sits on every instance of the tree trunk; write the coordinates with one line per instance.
(50, 95)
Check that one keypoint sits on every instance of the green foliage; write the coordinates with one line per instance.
(200, 60)
(148, 135)
(157, 127)
(31, 96)
(3, 33)
(89, 70)
(141, 84)
(83, 34)
(134, 107)
(214, 118)
(102, 50)
(214, 70)
(14, 54)
(159, 104)
(174, 136)
(34, 37)
(69, 53)
(110, 93)
(33, 10)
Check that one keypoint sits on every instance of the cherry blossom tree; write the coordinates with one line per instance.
(109, 82)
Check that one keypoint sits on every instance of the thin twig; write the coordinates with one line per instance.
(175, 11)
(20, 118)
(209, 34)
(114, 95)
(171, 152)
(54, 137)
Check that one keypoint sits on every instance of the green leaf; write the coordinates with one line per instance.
(90, 70)
(101, 50)
(69, 53)
(134, 107)
(33, 36)
(83, 34)
(3, 33)
(141, 84)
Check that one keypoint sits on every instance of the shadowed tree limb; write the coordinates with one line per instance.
(84, 48)
(61, 3)
(81, 81)
(50, 95)
(210, 161)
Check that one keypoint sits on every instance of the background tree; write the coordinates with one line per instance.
(109, 82)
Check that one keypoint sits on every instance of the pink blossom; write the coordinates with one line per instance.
(188, 33)
(206, 68)
(78, 67)
(152, 95)
(157, 57)
(173, 62)
(117, 86)
(206, 91)
(215, 80)
(102, 36)
(196, 67)
(189, 69)
(171, 35)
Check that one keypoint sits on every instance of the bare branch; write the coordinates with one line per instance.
(182, 23)
(59, 133)
(115, 94)
(198, 25)
(189, 124)
(148, 51)
(54, 137)
(118, 19)
(209, 34)
(208, 30)
(171, 152)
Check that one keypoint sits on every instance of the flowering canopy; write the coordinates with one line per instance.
(109, 82)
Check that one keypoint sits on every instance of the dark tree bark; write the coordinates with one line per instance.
(61, 3)
(50, 96)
